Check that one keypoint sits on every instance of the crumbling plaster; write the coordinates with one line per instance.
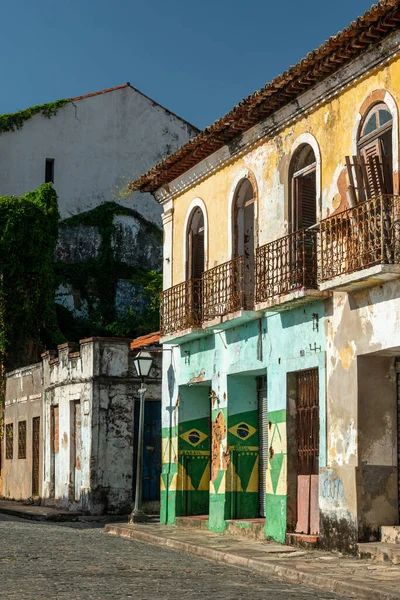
(330, 124)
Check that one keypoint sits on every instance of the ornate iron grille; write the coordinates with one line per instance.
(287, 264)
(181, 307)
(307, 422)
(35, 455)
(9, 440)
(22, 439)
(223, 289)
(360, 237)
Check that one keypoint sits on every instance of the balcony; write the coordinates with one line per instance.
(181, 311)
(228, 294)
(286, 272)
(360, 247)
(223, 298)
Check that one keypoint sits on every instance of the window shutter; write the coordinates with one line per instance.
(305, 191)
(371, 165)
(198, 256)
(189, 263)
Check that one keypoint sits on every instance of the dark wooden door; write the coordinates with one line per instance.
(35, 455)
(307, 436)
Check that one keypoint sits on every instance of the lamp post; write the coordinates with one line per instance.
(143, 363)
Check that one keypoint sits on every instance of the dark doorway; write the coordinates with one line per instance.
(151, 450)
(35, 455)
(303, 452)
(243, 236)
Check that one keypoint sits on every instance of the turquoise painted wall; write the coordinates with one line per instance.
(275, 345)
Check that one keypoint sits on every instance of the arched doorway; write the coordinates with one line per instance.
(195, 263)
(243, 236)
(303, 186)
(374, 148)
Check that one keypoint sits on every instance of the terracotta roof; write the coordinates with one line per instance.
(112, 89)
(151, 339)
(377, 23)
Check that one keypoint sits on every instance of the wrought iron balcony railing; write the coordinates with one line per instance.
(181, 307)
(286, 265)
(223, 289)
(360, 237)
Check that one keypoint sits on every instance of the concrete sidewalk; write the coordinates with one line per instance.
(48, 513)
(36, 513)
(346, 576)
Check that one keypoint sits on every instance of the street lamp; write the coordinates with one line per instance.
(143, 363)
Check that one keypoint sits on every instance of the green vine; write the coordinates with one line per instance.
(14, 121)
(28, 237)
(96, 279)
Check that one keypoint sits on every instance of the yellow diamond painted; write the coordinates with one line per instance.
(194, 437)
(242, 430)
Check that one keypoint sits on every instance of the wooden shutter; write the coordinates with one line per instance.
(305, 197)
(197, 255)
(371, 166)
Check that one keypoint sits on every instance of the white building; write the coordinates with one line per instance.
(93, 147)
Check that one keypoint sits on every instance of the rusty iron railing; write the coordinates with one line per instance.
(360, 237)
(181, 307)
(286, 265)
(223, 289)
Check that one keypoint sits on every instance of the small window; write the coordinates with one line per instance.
(49, 171)
(22, 439)
(9, 440)
(55, 421)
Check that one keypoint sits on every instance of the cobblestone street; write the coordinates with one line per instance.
(77, 560)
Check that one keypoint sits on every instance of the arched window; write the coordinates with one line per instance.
(243, 235)
(195, 245)
(374, 148)
(303, 189)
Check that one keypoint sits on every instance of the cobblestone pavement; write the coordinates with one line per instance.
(79, 561)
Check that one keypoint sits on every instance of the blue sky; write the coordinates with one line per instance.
(196, 58)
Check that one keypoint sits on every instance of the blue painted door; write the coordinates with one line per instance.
(151, 449)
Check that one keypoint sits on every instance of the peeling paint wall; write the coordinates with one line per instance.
(99, 144)
(334, 118)
(23, 402)
(354, 343)
(235, 354)
(88, 468)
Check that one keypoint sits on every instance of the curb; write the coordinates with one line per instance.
(31, 516)
(276, 569)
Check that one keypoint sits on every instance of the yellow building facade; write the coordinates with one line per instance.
(281, 309)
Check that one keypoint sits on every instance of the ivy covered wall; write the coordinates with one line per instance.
(108, 263)
(28, 238)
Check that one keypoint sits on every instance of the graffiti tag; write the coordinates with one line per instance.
(332, 489)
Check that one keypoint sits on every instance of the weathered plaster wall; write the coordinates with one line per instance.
(336, 118)
(363, 337)
(23, 402)
(101, 376)
(274, 346)
(124, 248)
(99, 144)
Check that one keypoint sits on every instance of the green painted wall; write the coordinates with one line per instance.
(242, 497)
(229, 363)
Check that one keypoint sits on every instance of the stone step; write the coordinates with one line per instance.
(196, 522)
(380, 551)
(302, 540)
(249, 528)
(390, 534)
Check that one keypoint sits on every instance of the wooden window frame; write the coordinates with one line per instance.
(9, 441)
(22, 439)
